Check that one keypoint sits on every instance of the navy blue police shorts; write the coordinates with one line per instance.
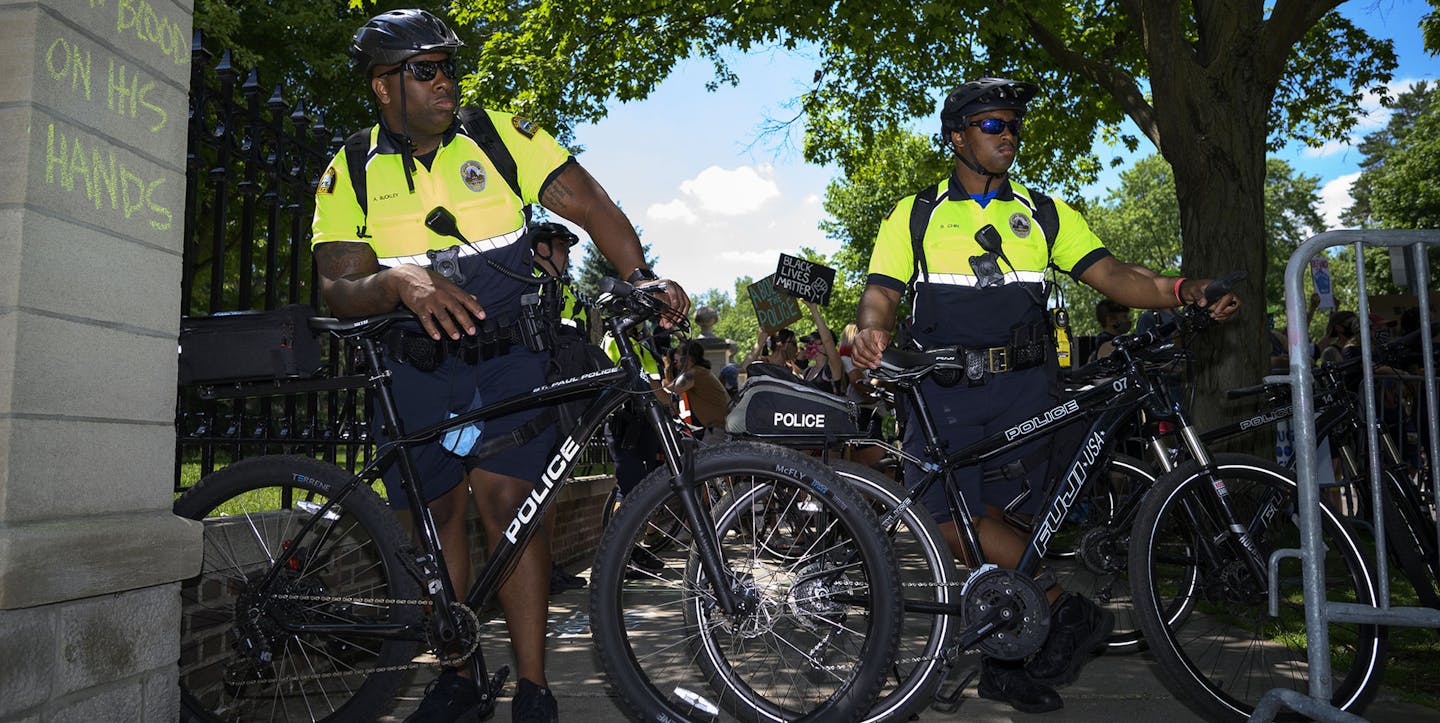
(425, 398)
(964, 415)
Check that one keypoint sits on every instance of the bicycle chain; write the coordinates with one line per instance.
(453, 661)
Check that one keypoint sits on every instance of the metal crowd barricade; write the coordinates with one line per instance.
(1319, 611)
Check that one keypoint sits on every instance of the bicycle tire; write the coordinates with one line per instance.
(658, 630)
(252, 509)
(927, 574)
(1095, 530)
(658, 539)
(1228, 652)
(1411, 538)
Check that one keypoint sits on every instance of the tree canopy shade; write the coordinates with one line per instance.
(1212, 84)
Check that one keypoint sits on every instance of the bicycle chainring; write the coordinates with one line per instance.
(1025, 621)
(455, 653)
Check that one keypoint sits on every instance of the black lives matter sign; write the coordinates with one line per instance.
(804, 279)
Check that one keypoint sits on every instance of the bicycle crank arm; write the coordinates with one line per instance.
(994, 618)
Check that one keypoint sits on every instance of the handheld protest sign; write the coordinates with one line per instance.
(805, 279)
(773, 308)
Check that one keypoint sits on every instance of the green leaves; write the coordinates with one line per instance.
(1397, 187)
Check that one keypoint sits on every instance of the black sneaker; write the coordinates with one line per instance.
(533, 704)
(447, 698)
(560, 581)
(1007, 682)
(1079, 630)
(646, 560)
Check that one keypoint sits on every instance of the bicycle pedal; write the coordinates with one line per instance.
(498, 680)
(491, 695)
(949, 702)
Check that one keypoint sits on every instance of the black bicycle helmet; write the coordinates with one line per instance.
(550, 231)
(981, 95)
(393, 37)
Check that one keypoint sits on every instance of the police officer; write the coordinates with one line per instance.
(985, 242)
(374, 253)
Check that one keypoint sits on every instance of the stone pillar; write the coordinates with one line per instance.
(93, 104)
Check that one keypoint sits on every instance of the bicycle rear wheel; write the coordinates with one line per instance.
(240, 659)
(812, 562)
(1411, 533)
(1090, 552)
(1228, 652)
(927, 576)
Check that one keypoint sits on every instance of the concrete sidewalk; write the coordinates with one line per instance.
(1111, 688)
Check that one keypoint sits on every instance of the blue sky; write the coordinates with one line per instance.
(718, 197)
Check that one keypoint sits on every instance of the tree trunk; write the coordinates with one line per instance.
(1213, 119)
(1222, 224)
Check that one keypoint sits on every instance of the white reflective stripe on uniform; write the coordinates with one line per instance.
(489, 244)
(1011, 277)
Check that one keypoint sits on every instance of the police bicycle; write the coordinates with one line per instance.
(1004, 613)
(1340, 419)
(312, 603)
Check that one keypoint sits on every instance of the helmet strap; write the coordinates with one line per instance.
(973, 163)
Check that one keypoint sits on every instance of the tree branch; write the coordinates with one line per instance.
(1120, 85)
(1288, 22)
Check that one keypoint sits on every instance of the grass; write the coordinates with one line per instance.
(1413, 664)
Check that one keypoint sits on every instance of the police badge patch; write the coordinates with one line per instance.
(327, 182)
(526, 126)
(473, 174)
(1020, 224)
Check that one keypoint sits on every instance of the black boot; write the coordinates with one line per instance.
(1007, 682)
(1078, 631)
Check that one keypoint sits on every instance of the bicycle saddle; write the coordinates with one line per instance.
(900, 364)
(359, 326)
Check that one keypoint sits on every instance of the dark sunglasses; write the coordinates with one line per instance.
(424, 70)
(995, 126)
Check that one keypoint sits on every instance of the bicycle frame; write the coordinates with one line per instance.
(608, 388)
(1115, 400)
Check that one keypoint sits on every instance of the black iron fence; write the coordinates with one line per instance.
(251, 165)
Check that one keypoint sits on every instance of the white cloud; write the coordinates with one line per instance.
(1330, 148)
(675, 210)
(725, 223)
(734, 192)
(757, 259)
(1335, 198)
(1372, 117)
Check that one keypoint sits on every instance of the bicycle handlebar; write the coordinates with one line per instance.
(1242, 392)
(621, 297)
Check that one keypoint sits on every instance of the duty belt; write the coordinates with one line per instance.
(417, 349)
(1001, 359)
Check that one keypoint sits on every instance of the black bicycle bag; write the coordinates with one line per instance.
(247, 346)
(769, 408)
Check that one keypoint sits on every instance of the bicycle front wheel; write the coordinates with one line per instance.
(1228, 651)
(802, 551)
(242, 654)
